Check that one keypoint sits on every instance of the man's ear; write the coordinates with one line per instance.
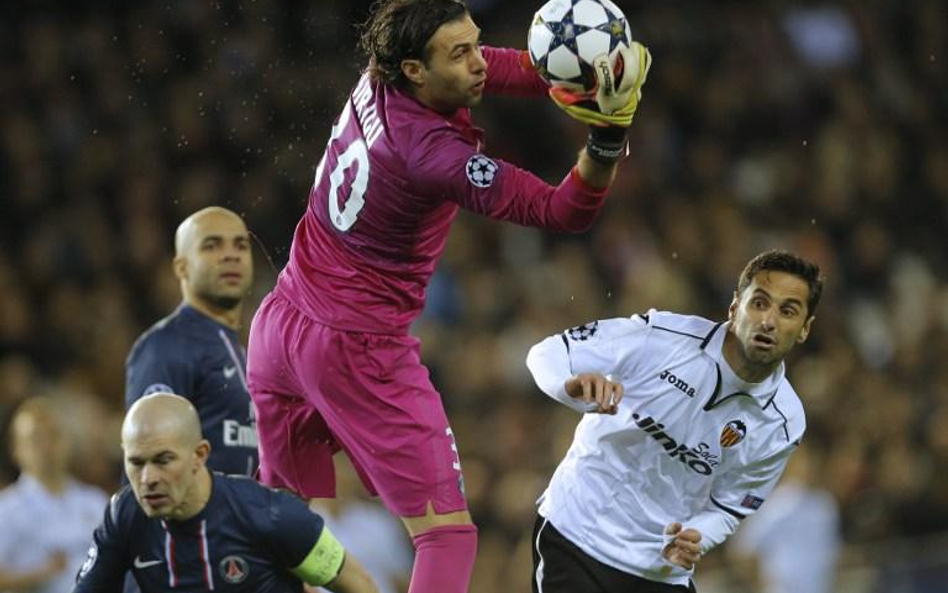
(805, 332)
(201, 453)
(180, 266)
(732, 308)
(414, 71)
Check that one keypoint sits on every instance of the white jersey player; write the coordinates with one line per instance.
(689, 424)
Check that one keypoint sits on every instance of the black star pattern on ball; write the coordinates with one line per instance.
(541, 64)
(565, 32)
(615, 27)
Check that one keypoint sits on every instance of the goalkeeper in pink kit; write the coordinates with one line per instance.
(331, 365)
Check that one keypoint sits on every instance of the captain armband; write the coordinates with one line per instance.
(324, 562)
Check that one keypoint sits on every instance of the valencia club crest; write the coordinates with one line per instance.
(733, 433)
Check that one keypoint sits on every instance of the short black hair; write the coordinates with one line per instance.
(783, 261)
(400, 30)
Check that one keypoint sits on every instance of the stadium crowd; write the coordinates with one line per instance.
(814, 126)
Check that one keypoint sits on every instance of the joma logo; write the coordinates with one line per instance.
(677, 382)
(693, 457)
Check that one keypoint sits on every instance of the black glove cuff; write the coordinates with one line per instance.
(607, 145)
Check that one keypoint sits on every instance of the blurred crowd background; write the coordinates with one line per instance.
(819, 127)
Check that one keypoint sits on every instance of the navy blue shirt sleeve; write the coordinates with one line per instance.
(156, 364)
(291, 529)
(107, 561)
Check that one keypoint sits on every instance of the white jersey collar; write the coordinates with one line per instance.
(729, 383)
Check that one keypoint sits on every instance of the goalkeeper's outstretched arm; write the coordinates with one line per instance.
(608, 112)
(595, 173)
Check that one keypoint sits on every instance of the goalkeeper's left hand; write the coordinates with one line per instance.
(611, 104)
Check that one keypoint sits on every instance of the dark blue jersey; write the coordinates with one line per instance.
(246, 538)
(191, 355)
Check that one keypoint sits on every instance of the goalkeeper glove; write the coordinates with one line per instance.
(609, 111)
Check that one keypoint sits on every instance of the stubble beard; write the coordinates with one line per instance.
(223, 302)
(759, 357)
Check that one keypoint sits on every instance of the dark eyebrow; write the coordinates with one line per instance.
(208, 238)
(788, 301)
(466, 44)
(158, 455)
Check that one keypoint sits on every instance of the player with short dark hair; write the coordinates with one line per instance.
(179, 527)
(689, 424)
(784, 261)
(196, 351)
(331, 365)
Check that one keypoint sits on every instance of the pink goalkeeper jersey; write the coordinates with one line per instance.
(387, 190)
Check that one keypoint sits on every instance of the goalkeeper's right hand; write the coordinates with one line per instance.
(609, 110)
(611, 104)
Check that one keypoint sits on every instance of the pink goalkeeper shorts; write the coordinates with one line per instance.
(318, 390)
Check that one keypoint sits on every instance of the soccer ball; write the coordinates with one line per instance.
(566, 35)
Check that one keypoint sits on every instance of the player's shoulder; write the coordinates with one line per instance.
(174, 336)
(604, 330)
(13, 498)
(789, 411)
(680, 326)
(166, 332)
(243, 487)
(404, 114)
(429, 139)
(257, 505)
(17, 513)
(417, 129)
(123, 507)
(243, 492)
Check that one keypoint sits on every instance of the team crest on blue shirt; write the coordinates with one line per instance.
(583, 332)
(234, 569)
(481, 170)
(733, 433)
(157, 388)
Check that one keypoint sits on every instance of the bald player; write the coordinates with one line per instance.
(195, 351)
(179, 527)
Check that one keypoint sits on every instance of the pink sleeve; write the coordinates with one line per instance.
(445, 166)
(509, 72)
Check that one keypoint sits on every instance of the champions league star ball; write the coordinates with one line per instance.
(566, 35)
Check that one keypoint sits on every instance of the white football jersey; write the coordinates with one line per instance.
(691, 441)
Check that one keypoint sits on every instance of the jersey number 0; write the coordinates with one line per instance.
(355, 154)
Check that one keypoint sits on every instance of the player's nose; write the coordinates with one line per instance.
(232, 254)
(149, 477)
(478, 63)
